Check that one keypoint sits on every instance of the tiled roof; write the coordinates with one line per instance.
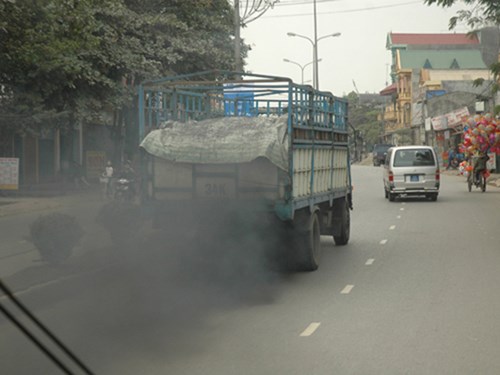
(444, 59)
(389, 89)
(431, 39)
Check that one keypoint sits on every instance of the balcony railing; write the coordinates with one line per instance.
(404, 95)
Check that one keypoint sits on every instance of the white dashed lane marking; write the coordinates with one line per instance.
(383, 242)
(370, 261)
(402, 209)
(399, 216)
(392, 227)
(347, 289)
(310, 329)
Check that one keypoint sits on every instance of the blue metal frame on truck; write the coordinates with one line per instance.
(317, 132)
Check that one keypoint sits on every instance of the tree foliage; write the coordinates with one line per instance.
(483, 12)
(364, 118)
(66, 60)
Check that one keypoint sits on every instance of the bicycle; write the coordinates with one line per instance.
(478, 183)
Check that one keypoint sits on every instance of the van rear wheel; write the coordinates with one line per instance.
(392, 197)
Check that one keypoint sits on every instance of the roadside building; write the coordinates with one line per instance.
(426, 69)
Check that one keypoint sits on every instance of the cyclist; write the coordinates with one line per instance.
(480, 165)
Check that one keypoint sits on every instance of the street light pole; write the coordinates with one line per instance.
(315, 51)
(302, 67)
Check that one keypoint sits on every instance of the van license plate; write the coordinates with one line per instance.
(414, 178)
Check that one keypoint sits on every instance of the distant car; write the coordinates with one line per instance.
(379, 153)
(411, 170)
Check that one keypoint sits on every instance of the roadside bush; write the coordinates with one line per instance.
(55, 235)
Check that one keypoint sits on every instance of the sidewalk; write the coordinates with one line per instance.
(20, 204)
(493, 180)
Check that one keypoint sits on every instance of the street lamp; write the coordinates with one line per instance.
(315, 53)
(302, 67)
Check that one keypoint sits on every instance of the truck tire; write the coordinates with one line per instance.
(341, 235)
(307, 244)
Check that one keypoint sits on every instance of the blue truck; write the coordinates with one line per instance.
(258, 143)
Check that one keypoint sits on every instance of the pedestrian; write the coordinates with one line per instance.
(107, 179)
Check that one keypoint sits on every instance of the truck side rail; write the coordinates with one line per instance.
(316, 124)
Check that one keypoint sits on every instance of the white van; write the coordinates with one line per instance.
(411, 170)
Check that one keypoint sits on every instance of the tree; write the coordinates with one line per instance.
(364, 121)
(482, 13)
(68, 61)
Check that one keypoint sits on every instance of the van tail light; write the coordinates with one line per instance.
(391, 176)
(437, 174)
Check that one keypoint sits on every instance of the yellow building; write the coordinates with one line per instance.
(420, 62)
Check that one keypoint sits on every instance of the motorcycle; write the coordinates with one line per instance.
(124, 191)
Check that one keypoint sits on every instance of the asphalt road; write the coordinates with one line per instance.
(414, 292)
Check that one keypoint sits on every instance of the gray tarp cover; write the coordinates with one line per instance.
(221, 140)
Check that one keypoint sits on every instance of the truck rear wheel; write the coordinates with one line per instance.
(307, 241)
(341, 235)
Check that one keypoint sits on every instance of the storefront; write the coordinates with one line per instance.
(448, 133)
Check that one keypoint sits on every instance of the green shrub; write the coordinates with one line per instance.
(55, 235)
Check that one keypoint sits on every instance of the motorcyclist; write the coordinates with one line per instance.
(128, 173)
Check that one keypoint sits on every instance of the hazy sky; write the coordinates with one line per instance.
(359, 54)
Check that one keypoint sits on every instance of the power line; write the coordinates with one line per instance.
(347, 10)
(303, 2)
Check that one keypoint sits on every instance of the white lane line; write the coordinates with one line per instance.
(399, 216)
(392, 227)
(383, 242)
(347, 289)
(369, 262)
(310, 329)
(402, 209)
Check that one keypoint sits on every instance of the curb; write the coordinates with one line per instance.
(10, 206)
(493, 180)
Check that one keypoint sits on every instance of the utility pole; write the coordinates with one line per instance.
(252, 10)
(315, 59)
(237, 37)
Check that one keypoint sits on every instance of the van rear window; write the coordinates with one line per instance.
(414, 157)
